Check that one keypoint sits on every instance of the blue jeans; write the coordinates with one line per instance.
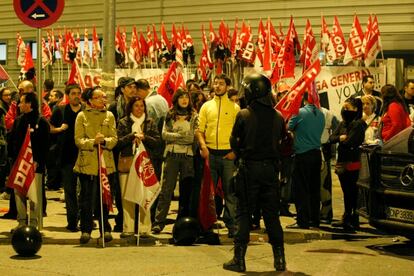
(224, 169)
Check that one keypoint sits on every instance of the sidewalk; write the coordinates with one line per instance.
(54, 231)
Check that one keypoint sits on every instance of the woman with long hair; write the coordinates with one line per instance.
(395, 115)
(134, 128)
(350, 135)
(178, 133)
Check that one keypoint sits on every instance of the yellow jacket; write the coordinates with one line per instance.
(216, 120)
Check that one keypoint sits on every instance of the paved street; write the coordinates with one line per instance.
(308, 252)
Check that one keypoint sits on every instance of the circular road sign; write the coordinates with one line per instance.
(38, 13)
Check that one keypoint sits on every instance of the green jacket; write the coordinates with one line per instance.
(88, 123)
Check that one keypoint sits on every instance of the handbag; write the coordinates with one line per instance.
(124, 163)
(340, 168)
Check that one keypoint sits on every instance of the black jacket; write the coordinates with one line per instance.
(348, 150)
(257, 133)
(152, 138)
(39, 137)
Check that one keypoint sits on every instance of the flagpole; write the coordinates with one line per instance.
(28, 212)
(100, 195)
(10, 79)
(139, 219)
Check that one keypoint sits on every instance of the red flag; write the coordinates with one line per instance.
(69, 47)
(188, 38)
(206, 206)
(367, 33)
(267, 57)
(275, 40)
(337, 44)
(212, 35)
(28, 60)
(202, 67)
(79, 56)
(223, 34)
(157, 42)
(46, 55)
(96, 47)
(309, 56)
(22, 175)
(53, 47)
(234, 39)
(61, 45)
(373, 44)
(150, 43)
(325, 35)
(164, 38)
(124, 45)
(309, 49)
(142, 185)
(21, 50)
(143, 45)
(118, 41)
(76, 76)
(285, 62)
(354, 49)
(104, 181)
(134, 51)
(3, 75)
(290, 103)
(261, 36)
(176, 38)
(86, 51)
(296, 43)
(173, 79)
(248, 52)
(183, 41)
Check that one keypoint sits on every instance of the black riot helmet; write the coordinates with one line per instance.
(257, 87)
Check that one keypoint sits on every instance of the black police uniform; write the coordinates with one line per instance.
(256, 139)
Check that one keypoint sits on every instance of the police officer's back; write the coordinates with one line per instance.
(256, 139)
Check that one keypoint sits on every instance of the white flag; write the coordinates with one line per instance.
(142, 184)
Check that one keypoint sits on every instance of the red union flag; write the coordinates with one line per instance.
(172, 81)
(325, 35)
(285, 62)
(354, 49)
(373, 45)
(206, 206)
(142, 184)
(96, 47)
(290, 103)
(104, 181)
(337, 44)
(309, 51)
(21, 50)
(76, 76)
(22, 175)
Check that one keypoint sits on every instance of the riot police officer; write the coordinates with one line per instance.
(256, 139)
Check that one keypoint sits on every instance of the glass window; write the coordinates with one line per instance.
(3, 53)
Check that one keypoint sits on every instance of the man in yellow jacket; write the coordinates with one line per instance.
(216, 120)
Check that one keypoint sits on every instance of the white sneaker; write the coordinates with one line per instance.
(5, 196)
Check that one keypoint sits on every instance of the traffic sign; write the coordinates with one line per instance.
(38, 13)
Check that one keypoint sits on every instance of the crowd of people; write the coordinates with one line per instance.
(262, 162)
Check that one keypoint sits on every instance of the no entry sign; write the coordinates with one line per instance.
(38, 13)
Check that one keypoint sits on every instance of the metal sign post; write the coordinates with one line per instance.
(39, 14)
